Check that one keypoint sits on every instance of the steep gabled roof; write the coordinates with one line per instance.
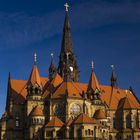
(37, 111)
(84, 119)
(55, 122)
(125, 103)
(69, 88)
(52, 84)
(93, 82)
(99, 114)
(35, 76)
(57, 80)
(111, 96)
(19, 91)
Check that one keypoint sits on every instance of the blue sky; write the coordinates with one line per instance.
(103, 31)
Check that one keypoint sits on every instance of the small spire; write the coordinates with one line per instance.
(113, 77)
(52, 68)
(67, 7)
(35, 57)
(92, 65)
(52, 55)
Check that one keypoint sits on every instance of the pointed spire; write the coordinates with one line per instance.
(35, 76)
(67, 48)
(93, 82)
(52, 68)
(8, 92)
(67, 39)
(113, 77)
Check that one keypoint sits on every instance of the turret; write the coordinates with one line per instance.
(34, 86)
(93, 88)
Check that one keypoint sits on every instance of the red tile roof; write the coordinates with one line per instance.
(35, 76)
(84, 119)
(126, 103)
(70, 87)
(37, 111)
(99, 114)
(19, 91)
(93, 82)
(55, 122)
(111, 96)
(74, 89)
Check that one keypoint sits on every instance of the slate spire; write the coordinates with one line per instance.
(52, 68)
(113, 78)
(8, 92)
(67, 52)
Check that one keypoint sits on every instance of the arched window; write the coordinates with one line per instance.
(86, 133)
(92, 132)
(128, 121)
(110, 137)
(114, 122)
(36, 90)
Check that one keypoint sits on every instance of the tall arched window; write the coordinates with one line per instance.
(128, 121)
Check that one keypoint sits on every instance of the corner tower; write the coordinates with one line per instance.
(68, 68)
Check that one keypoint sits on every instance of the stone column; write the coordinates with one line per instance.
(54, 133)
(132, 120)
(124, 120)
(139, 118)
(67, 132)
(82, 132)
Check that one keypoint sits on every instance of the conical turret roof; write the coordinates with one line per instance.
(93, 82)
(35, 76)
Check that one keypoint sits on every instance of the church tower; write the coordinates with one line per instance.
(68, 68)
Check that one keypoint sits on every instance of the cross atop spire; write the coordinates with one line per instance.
(67, 7)
(113, 67)
(35, 57)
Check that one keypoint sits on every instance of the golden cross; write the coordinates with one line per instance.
(67, 7)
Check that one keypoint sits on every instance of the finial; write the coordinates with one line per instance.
(67, 7)
(113, 67)
(35, 57)
(92, 65)
(52, 55)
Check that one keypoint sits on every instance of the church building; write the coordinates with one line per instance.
(59, 106)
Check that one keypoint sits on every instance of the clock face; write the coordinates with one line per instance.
(71, 68)
(75, 110)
